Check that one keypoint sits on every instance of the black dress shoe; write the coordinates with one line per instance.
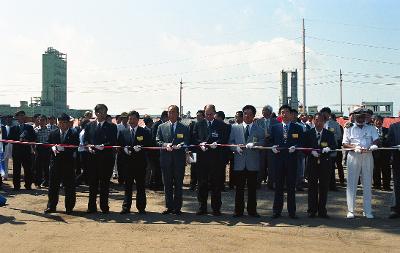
(254, 215)
(311, 215)
(68, 211)
(216, 213)
(167, 211)
(276, 215)
(293, 216)
(50, 210)
(324, 215)
(142, 212)
(28, 187)
(237, 215)
(91, 211)
(125, 211)
(105, 211)
(201, 212)
(177, 212)
(394, 215)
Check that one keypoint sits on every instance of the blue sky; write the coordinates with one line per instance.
(132, 54)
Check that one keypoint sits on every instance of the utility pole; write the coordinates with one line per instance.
(341, 92)
(304, 69)
(180, 98)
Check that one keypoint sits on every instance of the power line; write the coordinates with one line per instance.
(355, 59)
(355, 25)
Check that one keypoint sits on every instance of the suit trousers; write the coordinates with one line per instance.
(100, 169)
(243, 178)
(210, 174)
(318, 184)
(382, 173)
(173, 182)
(24, 160)
(286, 171)
(396, 182)
(136, 175)
(42, 161)
(62, 171)
(359, 163)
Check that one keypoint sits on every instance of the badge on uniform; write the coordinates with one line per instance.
(139, 138)
(179, 136)
(324, 144)
(332, 129)
(214, 135)
(295, 136)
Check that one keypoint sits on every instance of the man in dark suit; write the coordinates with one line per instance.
(194, 167)
(62, 169)
(319, 166)
(156, 182)
(208, 134)
(172, 136)
(133, 139)
(394, 140)
(381, 158)
(22, 154)
(285, 137)
(100, 133)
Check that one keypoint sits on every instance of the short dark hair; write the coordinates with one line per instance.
(98, 107)
(174, 107)
(20, 113)
(240, 113)
(147, 120)
(164, 114)
(201, 112)
(319, 114)
(251, 108)
(63, 117)
(134, 113)
(285, 107)
(220, 114)
(84, 122)
(379, 117)
(210, 106)
(117, 117)
(325, 110)
(294, 111)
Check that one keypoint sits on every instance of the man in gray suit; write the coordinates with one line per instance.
(172, 136)
(247, 161)
(266, 165)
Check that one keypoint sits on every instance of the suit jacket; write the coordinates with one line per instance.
(4, 136)
(384, 142)
(181, 136)
(23, 132)
(106, 135)
(295, 136)
(327, 140)
(394, 140)
(71, 138)
(249, 159)
(143, 138)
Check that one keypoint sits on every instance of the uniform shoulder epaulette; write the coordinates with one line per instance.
(348, 125)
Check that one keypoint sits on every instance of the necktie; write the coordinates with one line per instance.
(285, 133)
(132, 135)
(172, 131)
(380, 132)
(247, 133)
(209, 125)
(319, 138)
(62, 137)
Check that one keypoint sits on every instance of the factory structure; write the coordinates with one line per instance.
(289, 95)
(53, 99)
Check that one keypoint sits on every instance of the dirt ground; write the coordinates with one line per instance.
(25, 228)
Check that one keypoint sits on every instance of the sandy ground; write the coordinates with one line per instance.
(25, 228)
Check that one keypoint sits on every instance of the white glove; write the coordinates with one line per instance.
(292, 149)
(250, 145)
(59, 148)
(275, 149)
(239, 150)
(398, 146)
(55, 151)
(357, 149)
(213, 145)
(137, 148)
(315, 153)
(168, 146)
(373, 148)
(178, 146)
(326, 150)
(99, 147)
(203, 146)
(127, 151)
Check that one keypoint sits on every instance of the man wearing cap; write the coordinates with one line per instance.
(100, 133)
(22, 154)
(62, 168)
(363, 139)
(133, 139)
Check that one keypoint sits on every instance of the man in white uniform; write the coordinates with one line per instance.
(363, 139)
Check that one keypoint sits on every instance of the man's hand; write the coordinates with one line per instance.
(203, 146)
(99, 147)
(275, 149)
(314, 153)
(358, 149)
(178, 146)
(168, 147)
(250, 145)
(326, 150)
(127, 151)
(373, 148)
(292, 149)
(137, 148)
(214, 145)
